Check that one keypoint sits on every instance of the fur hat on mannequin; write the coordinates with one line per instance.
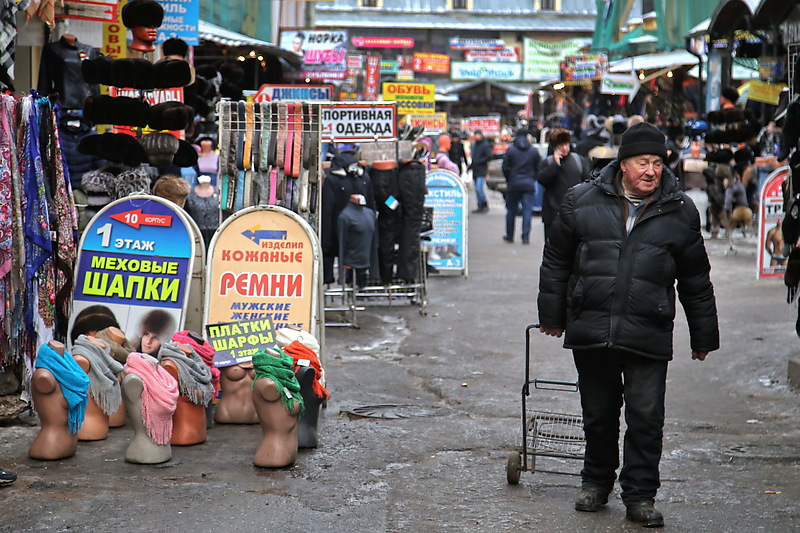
(133, 72)
(115, 147)
(160, 148)
(97, 70)
(133, 181)
(170, 115)
(121, 110)
(170, 73)
(147, 13)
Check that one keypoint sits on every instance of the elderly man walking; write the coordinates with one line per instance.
(607, 280)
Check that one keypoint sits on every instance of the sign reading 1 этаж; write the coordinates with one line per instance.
(447, 196)
(135, 262)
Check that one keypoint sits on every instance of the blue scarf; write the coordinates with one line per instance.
(73, 380)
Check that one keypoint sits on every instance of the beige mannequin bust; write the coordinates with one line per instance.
(120, 348)
(278, 446)
(95, 422)
(54, 440)
(189, 420)
(142, 449)
(236, 404)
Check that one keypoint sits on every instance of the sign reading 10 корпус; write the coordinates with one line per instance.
(134, 265)
(447, 196)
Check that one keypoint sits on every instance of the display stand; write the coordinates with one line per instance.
(447, 196)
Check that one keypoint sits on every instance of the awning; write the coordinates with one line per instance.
(676, 58)
(216, 34)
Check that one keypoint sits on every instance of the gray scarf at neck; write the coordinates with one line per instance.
(194, 376)
(103, 373)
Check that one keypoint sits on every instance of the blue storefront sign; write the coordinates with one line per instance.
(135, 263)
(447, 248)
(181, 19)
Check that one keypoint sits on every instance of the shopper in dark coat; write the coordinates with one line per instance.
(607, 278)
(520, 165)
(481, 155)
(457, 154)
(559, 172)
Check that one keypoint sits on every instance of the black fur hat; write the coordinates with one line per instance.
(172, 73)
(231, 72)
(160, 148)
(122, 110)
(175, 47)
(185, 156)
(133, 72)
(97, 70)
(115, 147)
(147, 13)
(170, 116)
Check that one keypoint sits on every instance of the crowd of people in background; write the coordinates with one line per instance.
(721, 174)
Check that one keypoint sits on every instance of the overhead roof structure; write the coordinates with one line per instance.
(653, 61)
(211, 32)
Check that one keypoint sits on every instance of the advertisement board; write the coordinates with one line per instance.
(383, 42)
(433, 123)
(181, 19)
(135, 261)
(430, 63)
(414, 98)
(483, 70)
(262, 264)
(490, 126)
(447, 248)
(274, 93)
(543, 59)
(771, 261)
(324, 53)
(506, 55)
(344, 122)
(583, 68)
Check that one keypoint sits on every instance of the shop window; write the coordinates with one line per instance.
(371, 3)
(549, 5)
(459, 4)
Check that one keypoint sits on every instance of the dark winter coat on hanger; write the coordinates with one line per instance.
(60, 73)
(358, 240)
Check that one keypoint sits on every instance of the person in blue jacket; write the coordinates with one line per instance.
(520, 165)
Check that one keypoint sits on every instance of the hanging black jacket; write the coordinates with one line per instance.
(339, 184)
(611, 289)
(60, 73)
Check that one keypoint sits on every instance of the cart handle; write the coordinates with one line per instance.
(549, 384)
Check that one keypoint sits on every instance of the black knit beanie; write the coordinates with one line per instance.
(730, 93)
(641, 139)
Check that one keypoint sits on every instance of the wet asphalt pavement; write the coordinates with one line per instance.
(425, 410)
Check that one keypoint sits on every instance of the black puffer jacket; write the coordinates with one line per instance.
(612, 289)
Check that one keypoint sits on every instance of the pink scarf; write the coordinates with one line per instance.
(159, 398)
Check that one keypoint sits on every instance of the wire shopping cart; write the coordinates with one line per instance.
(545, 433)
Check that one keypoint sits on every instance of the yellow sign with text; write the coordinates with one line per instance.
(411, 98)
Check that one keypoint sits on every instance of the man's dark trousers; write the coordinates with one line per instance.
(606, 377)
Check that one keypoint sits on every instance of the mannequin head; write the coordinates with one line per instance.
(143, 17)
(156, 326)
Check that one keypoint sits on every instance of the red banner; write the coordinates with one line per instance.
(383, 42)
(431, 63)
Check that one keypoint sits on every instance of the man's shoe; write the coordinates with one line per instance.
(507, 238)
(7, 476)
(645, 515)
(591, 501)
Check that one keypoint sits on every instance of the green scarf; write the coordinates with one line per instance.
(279, 370)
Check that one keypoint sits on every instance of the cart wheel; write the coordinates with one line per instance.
(513, 468)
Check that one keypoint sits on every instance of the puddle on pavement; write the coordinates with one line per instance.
(391, 411)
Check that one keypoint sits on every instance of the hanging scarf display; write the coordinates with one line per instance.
(305, 356)
(279, 370)
(38, 231)
(103, 373)
(194, 377)
(206, 352)
(159, 397)
(73, 381)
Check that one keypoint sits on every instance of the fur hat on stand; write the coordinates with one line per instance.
(98, 186)
(170, 73)
(97, 70)
(172, 188)
(160, 148)
(122, 110)
(171, 116)
(133, 181)
(185, 156)
(133, 72)
(147, 13)
(115, 147)
(175, 47)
